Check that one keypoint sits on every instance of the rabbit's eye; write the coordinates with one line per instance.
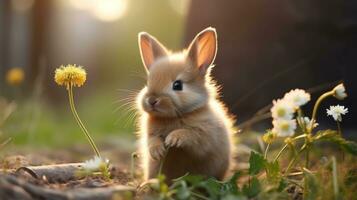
(177, 85)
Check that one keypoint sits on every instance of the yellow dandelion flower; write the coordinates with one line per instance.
(15, 76)
(70, 75)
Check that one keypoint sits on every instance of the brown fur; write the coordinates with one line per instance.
(191, 127)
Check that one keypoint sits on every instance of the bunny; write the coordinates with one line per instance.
(183, 125)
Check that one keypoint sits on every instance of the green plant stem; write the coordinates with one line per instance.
(280, 152)
(316, 107)
(300, 136)
(132, 165)
(334, 177)
(339, 128)
(313, 119)
(340, 133)
(300, 120)
(80, 123)
(162, 162)
(294, 174)
(266, 151)
(307, 158)
(199, 196)
(292, 162)
(105, 172)
(286, 145)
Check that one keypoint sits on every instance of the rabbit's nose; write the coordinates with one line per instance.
(152, 101)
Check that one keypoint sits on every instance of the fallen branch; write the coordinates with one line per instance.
(59, 173)
(12, 187)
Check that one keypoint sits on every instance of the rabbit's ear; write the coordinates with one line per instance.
(150, 49)
(202, 50)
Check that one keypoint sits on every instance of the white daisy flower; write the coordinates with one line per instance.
(336, 112)
(298, 97)
(282, 109)
(94, 164)
(307, 122)
(284, 128)
(340, 91)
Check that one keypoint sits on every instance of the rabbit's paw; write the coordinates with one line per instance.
(157, 150)
(177, 138)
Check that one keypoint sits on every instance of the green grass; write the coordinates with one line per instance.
(36, 123)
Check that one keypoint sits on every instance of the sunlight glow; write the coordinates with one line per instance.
(104, 10)
(83, 4)
(110, 10)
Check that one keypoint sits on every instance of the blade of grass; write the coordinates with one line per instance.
(334, 178)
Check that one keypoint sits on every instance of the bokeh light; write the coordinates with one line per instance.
(104, 10)
(110, 10)
(83, 4)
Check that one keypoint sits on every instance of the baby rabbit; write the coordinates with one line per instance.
(182, 121)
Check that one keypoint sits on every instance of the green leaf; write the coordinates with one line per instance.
(325, 134)
(230, 187)
(311, 190)
(333, 136)
(191, 179)
(282, 185)
(252, 190)
(256, 163)
(212, 186)
(351, 177)
(273, 171)
(188, 185)
(234, 197)
(183, 191)
(350, 147)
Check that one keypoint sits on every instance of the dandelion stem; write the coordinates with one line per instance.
(80, 123)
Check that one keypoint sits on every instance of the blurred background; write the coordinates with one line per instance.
(266, 48)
